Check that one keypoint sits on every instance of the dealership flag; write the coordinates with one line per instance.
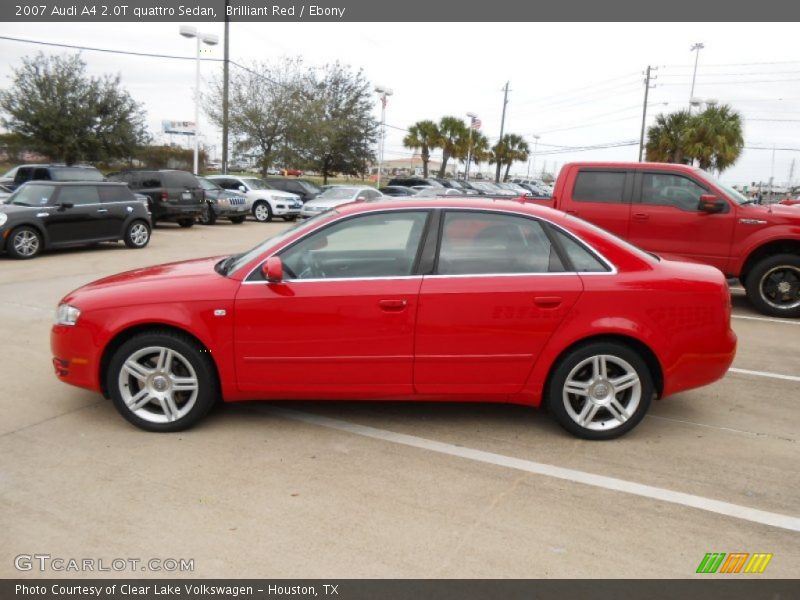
(475, 123)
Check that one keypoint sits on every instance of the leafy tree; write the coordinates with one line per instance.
(336, 132)
(265, 106)
(453, 140)
(713, 138)
(57, 109)
(510, 149)
(425, 136)
(666, 139)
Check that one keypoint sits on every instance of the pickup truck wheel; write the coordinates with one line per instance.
(600, 391)
(162, 381)
(185, 223)
(773, 286)
(262, 212)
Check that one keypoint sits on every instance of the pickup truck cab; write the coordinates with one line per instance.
(681, 212)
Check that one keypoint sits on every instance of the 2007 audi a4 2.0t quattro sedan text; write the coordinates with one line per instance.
(457, 300)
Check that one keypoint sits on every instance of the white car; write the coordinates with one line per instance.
(337, 195)
(263, 201)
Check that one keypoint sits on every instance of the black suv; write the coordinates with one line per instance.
(173, 195)
(25, 173)
(42, 215)
(302, 187)
(412, 181)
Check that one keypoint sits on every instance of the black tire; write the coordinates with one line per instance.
(261, 215)
(207, 215)
(188, 361)
(24, 242)
(237, 220)
(773, 286)
(185, 223)
(611, 413)
(137, 234)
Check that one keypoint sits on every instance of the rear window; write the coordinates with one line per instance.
(599, 186)
(115, 193)
(81, 174)
(180, 179)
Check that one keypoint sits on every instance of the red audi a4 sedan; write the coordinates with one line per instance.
(442, 300)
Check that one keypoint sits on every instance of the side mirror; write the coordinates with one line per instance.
(361, 199)
(241, 188)
(273, 269)
(64, 205)
(709, 203)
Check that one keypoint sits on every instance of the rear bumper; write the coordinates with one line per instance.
(177, 211)
(696, 369)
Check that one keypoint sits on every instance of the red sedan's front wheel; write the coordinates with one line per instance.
(162, 381)
(600, 391)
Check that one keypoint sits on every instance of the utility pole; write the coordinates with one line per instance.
(502, 127)
(696, 49)
(647, 79)
(225, 75)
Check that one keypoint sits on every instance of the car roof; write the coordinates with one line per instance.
(634, 165)
(469, 202)
(60, 166)
(74, 183)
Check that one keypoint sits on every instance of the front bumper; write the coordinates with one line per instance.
(284, 210)
(76, 357)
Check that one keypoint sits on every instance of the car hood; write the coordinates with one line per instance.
(171, 282)
(772, 213)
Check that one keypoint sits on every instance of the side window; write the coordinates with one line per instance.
(376, 245)
(79, 194)
(600, 186)
(228, 184)
(475, 243)
(41, 175)
(23, 174)
(372, 194)
(668, 189)
(149, 180)
(581, 258)
(115, 193)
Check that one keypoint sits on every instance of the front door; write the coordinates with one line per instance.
(84, 220)
(341, 323)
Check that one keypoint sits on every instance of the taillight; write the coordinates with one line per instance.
(164, 196)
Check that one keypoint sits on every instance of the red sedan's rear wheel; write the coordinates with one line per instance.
(600, 391)
(162, 381)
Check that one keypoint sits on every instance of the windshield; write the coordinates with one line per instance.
(256, 184)
(736, 196)
(32, 195)
(237, 261)
(72, 174)
(338, 193)
(208, 185)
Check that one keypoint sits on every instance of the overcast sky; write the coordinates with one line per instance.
(574, 84)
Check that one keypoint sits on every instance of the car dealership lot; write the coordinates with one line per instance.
(258, 490)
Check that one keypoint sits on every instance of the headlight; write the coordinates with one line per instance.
(3, 218)
(67, 315)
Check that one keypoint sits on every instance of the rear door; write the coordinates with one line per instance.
(665, 219)
(116, 205)
(498, 292)
(601, 196)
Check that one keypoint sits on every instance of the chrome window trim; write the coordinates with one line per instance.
(611, 266)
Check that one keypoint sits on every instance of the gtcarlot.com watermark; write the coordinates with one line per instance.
(44, 563)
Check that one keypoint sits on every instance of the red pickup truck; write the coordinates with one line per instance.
(680, 212)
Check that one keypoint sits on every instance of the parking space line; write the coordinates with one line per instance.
(764, 374)
(736, 511)
(766, 319)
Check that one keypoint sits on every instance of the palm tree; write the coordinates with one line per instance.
(509, 150)
(454, 140)
(480, 149)
(666, 139)
(714, 137)
(425, 136)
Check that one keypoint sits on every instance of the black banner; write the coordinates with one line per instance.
(731, 588)
(407, 11)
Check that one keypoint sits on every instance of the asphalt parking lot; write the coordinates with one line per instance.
(329, 490)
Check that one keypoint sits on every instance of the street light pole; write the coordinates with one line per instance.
(696, 49)
(533, 158)
(471, 116)
(211, 40)
(383, 92)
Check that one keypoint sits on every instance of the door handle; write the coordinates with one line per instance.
(102, 210)
(641, 217)
(393, 305)
(547, 301)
